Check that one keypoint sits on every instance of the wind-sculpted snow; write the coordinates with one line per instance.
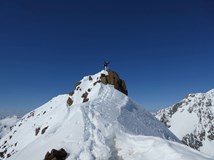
(108, 126)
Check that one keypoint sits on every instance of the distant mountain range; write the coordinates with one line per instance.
(192, 120)
(6, 125)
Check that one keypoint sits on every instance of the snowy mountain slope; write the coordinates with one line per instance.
(192, 121)
(6, 125)
(109, 125)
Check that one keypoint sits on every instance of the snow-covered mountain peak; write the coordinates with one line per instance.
(89, 87)
(96, 121)
(192, 120)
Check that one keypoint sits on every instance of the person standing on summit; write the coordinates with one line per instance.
(106, 64)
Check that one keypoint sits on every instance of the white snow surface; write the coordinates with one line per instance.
(6, 125)
(178, 124)
(109, 126)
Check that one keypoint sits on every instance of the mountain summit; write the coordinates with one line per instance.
(97, 121)
(192, 120)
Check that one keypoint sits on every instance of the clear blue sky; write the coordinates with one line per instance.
(163, 49)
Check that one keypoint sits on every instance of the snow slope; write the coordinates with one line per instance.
(6, 125)
(108, 126)
(192, 121)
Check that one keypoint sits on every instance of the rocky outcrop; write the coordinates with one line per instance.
(56, 155)
(192, 141)
(90, 78)
(37, 131)
(77, 84)
(114, 79)
(111, 78)
(85, 97)
(71, 93)
(69, 101)
(44, 129)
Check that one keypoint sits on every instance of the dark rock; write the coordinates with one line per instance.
(71, 93)
(175, 108)
(85, 97)
(31, 114)
(90, 78)
(78, 88)
(77, 84)
(44, 129)
(2, 154)
(209, 103)
(69, 101)
(190, 109)
(37, 131)
(192, 141)
(8, 155)
(56, 155)
(85, 100)
(211, 137)
(97, 82)
(165, 121)
(114, 79)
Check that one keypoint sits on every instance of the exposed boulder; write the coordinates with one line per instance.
(85, 97)
(44, 129)
(69, 101)
(90, 78)
(8, 155)
(2, 154)
(37, 131)
(114, 79)
(71, 93)
(56, 155)
(77, 84)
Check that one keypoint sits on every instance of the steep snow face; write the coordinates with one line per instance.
(7, 124)
(107, 126)
(192, 121)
